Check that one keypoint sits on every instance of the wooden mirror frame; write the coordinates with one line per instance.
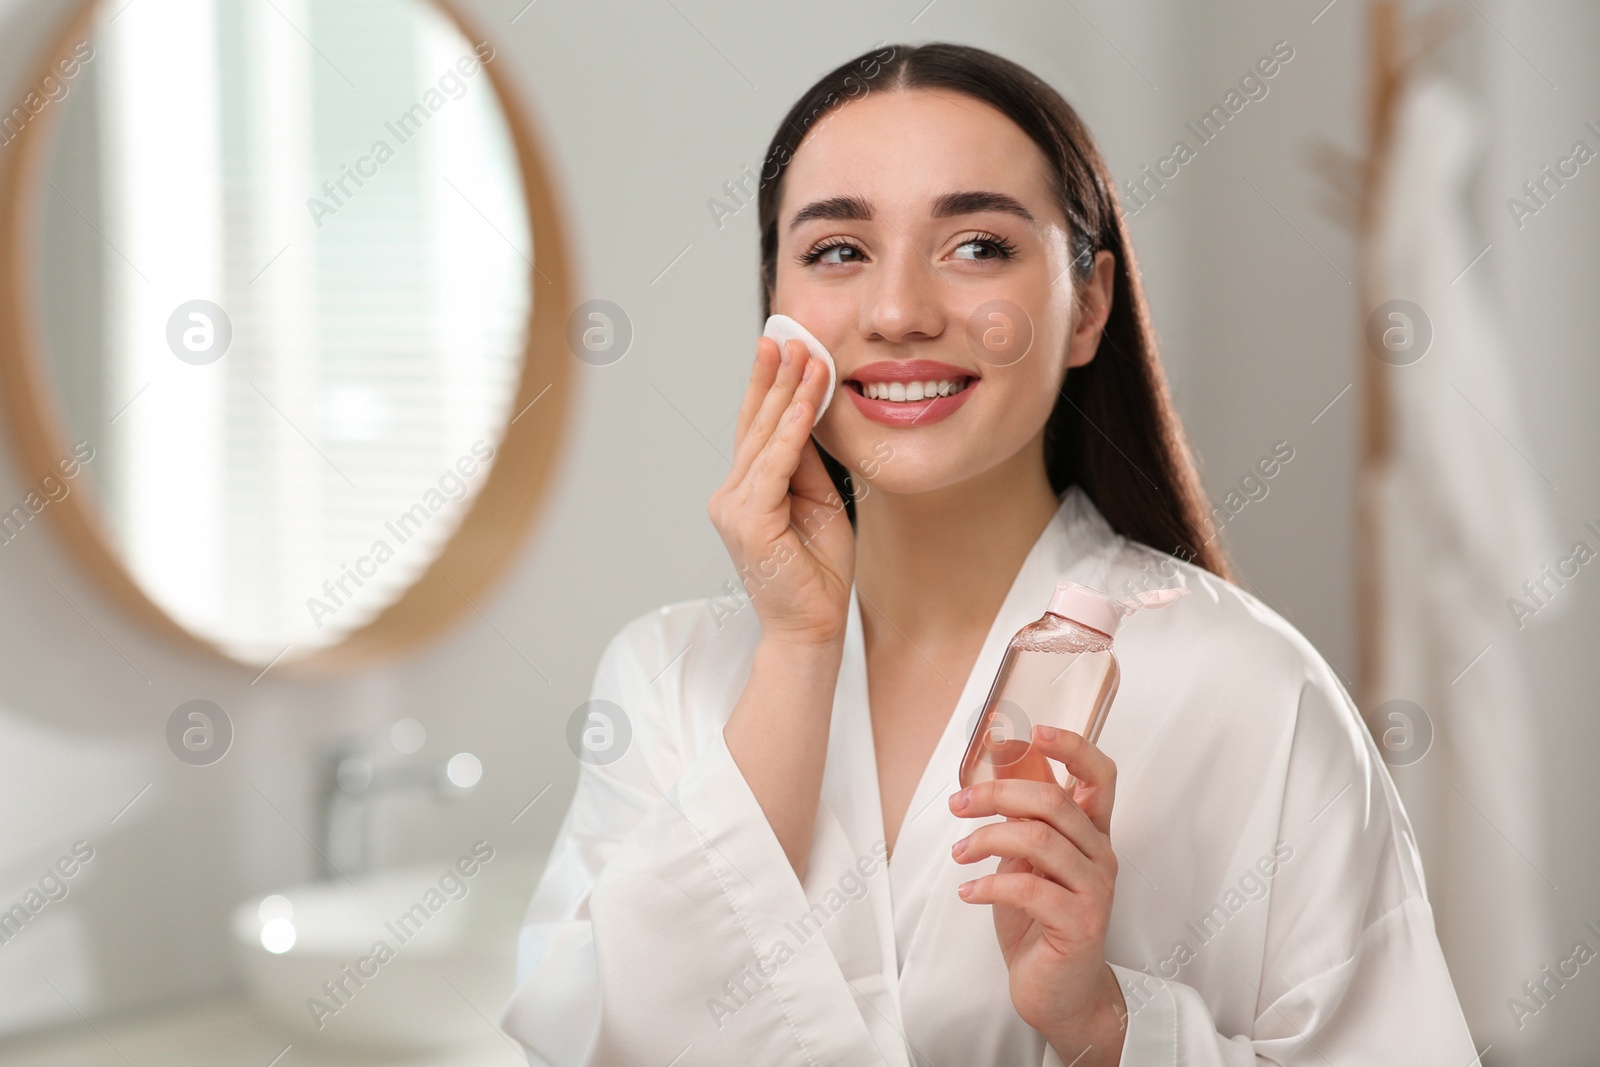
(489, 535)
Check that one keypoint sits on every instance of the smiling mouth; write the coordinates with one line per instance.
(911, 392)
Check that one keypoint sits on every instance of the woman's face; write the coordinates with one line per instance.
(919, 226)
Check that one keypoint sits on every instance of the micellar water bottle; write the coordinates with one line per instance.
(1059, 671)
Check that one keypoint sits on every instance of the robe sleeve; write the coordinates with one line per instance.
(1352, 972)
(655, 927)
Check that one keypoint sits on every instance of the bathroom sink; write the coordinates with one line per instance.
(418, 957)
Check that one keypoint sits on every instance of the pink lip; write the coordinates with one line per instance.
(906, 413)
(909, 370)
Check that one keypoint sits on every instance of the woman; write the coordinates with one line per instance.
(774, 868)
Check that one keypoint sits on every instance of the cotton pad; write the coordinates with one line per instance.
(782, 328)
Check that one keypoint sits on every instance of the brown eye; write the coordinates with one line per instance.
(848, 253)
(989, 247)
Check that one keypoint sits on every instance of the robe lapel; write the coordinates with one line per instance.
(849, 836)
(1072, 546)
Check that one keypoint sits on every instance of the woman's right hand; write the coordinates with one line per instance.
(780, 517)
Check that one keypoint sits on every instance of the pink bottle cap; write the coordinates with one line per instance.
(1099, 611)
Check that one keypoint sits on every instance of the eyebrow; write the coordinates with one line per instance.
(966, 202)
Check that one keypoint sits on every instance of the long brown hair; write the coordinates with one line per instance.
(1113, 431)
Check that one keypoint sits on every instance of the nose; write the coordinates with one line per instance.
(902, 302)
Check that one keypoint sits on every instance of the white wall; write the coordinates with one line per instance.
(648, 108)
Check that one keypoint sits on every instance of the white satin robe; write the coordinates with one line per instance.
(1269, 907)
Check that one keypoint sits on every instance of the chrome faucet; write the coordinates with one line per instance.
(352, 777)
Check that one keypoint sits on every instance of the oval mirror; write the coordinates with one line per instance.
(273, 325)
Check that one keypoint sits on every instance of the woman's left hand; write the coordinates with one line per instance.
(1052, 895)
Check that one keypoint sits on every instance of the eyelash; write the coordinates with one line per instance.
(1005, 248)
(1000, 244)
(808, 258)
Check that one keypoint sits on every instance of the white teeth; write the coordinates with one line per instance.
(910, 391)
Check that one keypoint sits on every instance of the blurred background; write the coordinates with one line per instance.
(244, 347)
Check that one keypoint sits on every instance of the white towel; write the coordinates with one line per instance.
(1463, 522)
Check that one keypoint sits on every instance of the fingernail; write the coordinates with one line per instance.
(810, 365)
(799, 412)
(965, 889)
(1047, 733)
(958, 848)
(783, 354)
(959, 800)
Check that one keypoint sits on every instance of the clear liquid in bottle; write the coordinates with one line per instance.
(1055, 672)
